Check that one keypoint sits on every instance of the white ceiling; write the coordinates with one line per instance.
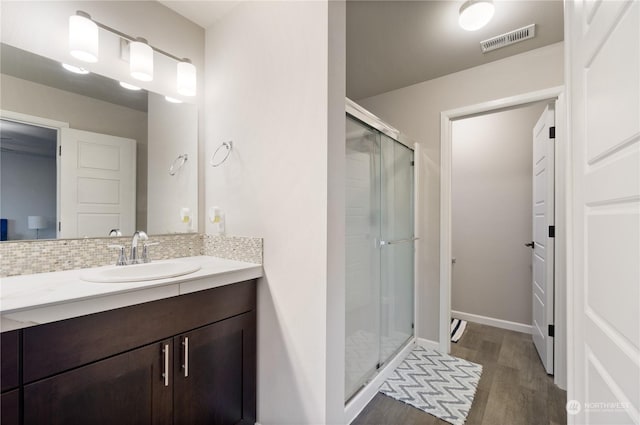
(27, 139)
(204, 13)
(394, 44)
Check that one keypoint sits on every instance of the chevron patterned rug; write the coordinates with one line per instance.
(436, 383)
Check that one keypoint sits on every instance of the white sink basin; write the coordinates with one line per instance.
(139, 272)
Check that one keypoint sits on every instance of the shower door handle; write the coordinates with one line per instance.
(398, 241)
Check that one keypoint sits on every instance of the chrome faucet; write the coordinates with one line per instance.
(138, 235)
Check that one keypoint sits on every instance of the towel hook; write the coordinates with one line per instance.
(177, 164)
(228, 145)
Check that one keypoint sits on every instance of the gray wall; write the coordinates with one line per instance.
(18, 170)
(415, 110)
(492, 214)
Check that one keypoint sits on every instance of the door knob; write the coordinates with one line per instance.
(530, 244)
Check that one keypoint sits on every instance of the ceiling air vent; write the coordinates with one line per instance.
(510, 37)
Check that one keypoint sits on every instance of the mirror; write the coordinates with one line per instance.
(81, 156)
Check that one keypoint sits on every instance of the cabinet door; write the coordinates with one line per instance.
(215, 373)
(9, 354)
(125, 389)
(10, 408)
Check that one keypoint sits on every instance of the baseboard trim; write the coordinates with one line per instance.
(498, 323)
(428, 344)
(360, 400)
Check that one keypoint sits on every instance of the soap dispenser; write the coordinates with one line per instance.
(216, 216)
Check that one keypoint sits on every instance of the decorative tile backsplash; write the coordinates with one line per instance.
(233, 248)
(29, 257)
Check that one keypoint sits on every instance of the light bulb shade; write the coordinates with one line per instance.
(129, 86)
(186, 79)
(75, 69)
(83, 38)
(141, 61)
(36, 222)
(475, 14)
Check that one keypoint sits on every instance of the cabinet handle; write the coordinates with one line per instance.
(165, 373)
(185, 366)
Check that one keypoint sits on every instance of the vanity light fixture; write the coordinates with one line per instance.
(75, 69)
(172, 99)
(129, 86)
(83, 37)
(83, 45)
(141, 60)
(475, 14)
(186, 80)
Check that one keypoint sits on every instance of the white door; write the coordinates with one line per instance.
(543, 237)
(97, 184)
(604, 291)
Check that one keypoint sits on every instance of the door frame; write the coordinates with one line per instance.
(561, 167)
(47, 123)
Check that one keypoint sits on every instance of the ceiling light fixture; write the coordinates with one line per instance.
(83, 37)
(83, 44)
(129, 86)
(475, 14)
(75, 69)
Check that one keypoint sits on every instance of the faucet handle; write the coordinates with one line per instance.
(122, 256)
(145, 251)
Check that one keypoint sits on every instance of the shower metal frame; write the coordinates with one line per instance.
(358, 112)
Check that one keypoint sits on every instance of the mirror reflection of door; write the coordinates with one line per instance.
(28, 180)
(81, 187)
(97, 184)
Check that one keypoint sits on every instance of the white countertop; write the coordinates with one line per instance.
(47, 297)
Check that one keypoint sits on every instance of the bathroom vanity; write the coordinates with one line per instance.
(186, 358)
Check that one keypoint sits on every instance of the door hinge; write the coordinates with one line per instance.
(412, 326)
(552, 330)
(60, 150)
(378, 366)
(552, 231)
(413, 163)
(552, 132)
(59, 226)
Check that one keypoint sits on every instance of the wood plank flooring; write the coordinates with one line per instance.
(514, 388)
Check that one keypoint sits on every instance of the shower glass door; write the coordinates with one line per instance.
(397, 247)
(362, 297)
(379, 251)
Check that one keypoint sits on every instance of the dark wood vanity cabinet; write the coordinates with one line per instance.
(216, 384)
(189, 359)
(123, 389)
(10, 378)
